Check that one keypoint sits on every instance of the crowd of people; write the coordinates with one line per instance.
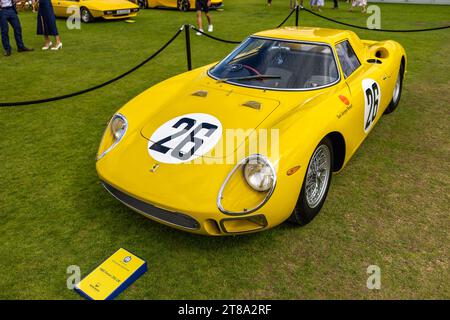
(46, 26)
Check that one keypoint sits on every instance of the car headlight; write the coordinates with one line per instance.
(118, 126)
(115, 131)
(259, 174)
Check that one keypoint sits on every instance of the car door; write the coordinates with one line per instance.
(367, 88)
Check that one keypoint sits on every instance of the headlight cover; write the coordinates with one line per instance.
(118, 126)
(259, 174)
(115, 131)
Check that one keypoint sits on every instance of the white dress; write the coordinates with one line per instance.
(359, 3)
(319, 3)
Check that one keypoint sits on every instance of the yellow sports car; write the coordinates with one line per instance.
(92, 9)
(251, 141)
(182, 5)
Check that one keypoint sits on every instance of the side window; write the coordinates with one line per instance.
(347, 57)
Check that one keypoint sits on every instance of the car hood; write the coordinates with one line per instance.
(234, 110)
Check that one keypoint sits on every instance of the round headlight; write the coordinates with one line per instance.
(118, 126)
(259, 174)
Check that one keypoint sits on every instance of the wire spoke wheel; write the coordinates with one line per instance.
(86, 16)
(183, 5)
(396, 94)
(317, 176)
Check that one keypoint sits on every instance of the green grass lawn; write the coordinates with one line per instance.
(389, 207)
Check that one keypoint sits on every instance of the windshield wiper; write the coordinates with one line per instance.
(259, 76)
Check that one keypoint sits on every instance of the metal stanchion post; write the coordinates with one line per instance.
(187, 30)
(297, 10)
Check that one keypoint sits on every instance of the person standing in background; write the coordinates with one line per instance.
(269, 2)
(317, 3)
(294, 3)
(336, 4)
(203, 5)
(359, 3)
(8, 14)
(46, 25)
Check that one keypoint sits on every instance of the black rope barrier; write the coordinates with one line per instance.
(287, 18)
(213, 37)
(296, 9)
(70, 95)
(186, 28)
(365, 28)
(189, 61)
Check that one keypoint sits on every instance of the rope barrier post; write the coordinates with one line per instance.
(187, 30)
(297, 10)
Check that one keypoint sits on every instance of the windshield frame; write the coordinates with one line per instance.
(280, 89)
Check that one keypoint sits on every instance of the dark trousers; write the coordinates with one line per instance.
(9, 15)
(335, 3)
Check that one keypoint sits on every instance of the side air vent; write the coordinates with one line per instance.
(381, 53)
(374, 61)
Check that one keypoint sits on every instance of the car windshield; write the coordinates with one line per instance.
(278, 64)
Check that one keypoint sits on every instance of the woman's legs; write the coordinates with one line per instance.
(47, 41)
(199, 19)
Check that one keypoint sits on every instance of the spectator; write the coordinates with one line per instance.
(336, 4)
(8, 14)
(294, 3)
(317, 3)
(359, 3)
(46, 25)
(203, 5)
(269, 2)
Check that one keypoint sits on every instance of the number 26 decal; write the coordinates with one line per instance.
(185, 138)
(372, 98)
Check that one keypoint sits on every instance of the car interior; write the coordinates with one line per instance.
(297, 65)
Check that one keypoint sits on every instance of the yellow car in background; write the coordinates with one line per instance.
(93, 9)
(182, 5)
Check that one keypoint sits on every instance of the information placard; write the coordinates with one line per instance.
(112, 276)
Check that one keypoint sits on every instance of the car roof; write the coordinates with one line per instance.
(312, 34)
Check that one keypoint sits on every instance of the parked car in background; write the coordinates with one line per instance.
(93, 9)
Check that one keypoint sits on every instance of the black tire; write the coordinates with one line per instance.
(143, 4)
(303, 213)
(183, 5)
(86, 15)
(396, 99)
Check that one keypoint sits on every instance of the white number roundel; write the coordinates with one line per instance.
(372, 98)
(185, 138)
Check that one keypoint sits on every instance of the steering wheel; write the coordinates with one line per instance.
(249, 68)
(238, 66)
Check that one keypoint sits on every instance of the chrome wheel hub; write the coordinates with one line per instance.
(317, 176)
(85, 16)
(396, 94)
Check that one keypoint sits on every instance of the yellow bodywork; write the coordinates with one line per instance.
(302, 118)
(173, 3)
(97, 8)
